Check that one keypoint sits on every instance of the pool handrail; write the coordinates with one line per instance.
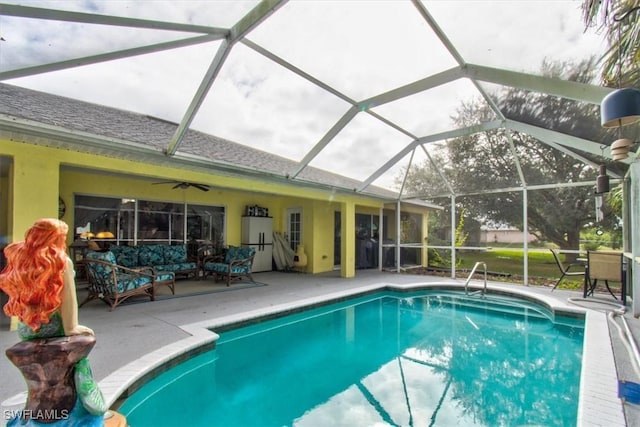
(473, 270)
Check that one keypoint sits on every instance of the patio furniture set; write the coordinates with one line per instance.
(122, 272)
(605, 266)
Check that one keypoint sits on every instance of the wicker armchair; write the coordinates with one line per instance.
(233, 265)
(113, 283)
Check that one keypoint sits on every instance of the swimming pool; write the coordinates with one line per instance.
(391, 359)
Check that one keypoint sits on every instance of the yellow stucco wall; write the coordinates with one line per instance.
(33, 189)
(74, 182)
(42, 173)
(4, 203)
(348, 240)
(323, 221)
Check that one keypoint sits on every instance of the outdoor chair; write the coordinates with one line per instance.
(565, 270)
(606, 266)
(113, 283)
(233, 265)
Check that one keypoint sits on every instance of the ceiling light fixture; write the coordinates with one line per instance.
(620, 108)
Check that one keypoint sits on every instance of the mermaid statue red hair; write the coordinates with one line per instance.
(33, 277)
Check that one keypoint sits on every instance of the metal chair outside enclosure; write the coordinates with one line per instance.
(565, 270)
(607, 266)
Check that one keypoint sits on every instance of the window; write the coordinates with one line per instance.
(367, 227)
(160, 221)
(98, 217)
(130, 221)
(205, 223)
(294, 227)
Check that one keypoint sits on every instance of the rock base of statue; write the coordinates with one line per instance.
(47, 366)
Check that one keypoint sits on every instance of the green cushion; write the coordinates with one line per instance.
(151, 255)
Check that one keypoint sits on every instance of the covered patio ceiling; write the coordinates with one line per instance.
(358, 88)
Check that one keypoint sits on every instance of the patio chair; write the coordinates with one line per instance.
(565, 270)
(607, 266)
(113, 283)
(234, 265)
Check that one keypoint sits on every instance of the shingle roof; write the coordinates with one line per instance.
(107, 122)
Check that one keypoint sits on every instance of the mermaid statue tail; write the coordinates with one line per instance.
(87, 389)
(47, 330)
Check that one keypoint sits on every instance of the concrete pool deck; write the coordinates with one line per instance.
(136, 337)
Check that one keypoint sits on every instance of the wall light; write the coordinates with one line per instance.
(602, 181)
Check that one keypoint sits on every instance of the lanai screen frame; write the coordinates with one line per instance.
(238, 34)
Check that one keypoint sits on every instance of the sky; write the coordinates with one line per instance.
(361, 48)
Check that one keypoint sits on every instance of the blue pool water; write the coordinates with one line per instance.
(431, 359)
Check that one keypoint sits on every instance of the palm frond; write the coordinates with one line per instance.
(620, 20)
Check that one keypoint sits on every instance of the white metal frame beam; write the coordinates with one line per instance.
(476, 73)
(502, 190)
(439, 32)
(198, 98)
(439, 171)
(418, 86)
(340, 124)
(364, 106)
(406, 175)
(455, 133)
(548, 85)
(104, 57)
(93, 18)
(208, 34)
(548, 135)
(275, 58)
(252, 19)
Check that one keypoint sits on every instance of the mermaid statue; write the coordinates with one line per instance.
(39, 279)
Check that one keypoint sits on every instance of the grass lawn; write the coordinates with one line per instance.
(543, 270)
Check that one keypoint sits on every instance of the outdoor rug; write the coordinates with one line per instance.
(189, 288)
(185, 288)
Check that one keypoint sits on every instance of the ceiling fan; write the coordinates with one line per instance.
(184, 185)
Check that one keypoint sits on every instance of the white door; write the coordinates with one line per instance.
(294, 227)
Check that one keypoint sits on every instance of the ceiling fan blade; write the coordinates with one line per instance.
(201, 187)
(184, 185)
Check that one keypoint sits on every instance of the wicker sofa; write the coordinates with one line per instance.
(162, 258)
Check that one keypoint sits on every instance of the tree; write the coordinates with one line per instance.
(485, 160)
(620, 19)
